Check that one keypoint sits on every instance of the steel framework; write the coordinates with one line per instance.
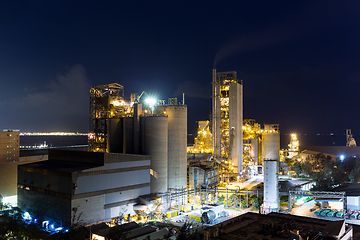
(316, 194)
(106, 101)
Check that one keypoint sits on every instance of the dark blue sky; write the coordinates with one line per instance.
(299, 60)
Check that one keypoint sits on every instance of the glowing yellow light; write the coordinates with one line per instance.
(117, 103)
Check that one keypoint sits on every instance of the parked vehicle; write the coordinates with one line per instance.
(340, 214)
(317, 212)
(326, 211)
(348, 214)
(354, 215)
(332, 213)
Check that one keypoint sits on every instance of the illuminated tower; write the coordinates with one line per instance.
(227, 117)
(106, 102)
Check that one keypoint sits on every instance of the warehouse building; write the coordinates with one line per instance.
(83, 187)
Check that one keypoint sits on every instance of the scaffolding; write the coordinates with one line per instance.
(221, 112)
(106, 101)
(203, 140)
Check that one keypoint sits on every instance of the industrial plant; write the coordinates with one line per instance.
(139, 166)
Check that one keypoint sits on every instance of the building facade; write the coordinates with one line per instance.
(227, 117)
(76, 187)
(9, 145)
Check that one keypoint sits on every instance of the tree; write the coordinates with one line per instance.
(256, 202)
(354, 175)
(297, 168)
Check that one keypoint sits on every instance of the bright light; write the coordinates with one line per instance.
(26, 216)
(342, 157)
(150, 101)
(117, 103)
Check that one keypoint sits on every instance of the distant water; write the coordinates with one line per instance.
(53, 141)
(305, 140)
(318, 140)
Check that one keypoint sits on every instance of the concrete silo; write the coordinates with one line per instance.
(254, 151)
(154, 136)
(271, 188)
(177, 144)
(271, 142)
(120, 135)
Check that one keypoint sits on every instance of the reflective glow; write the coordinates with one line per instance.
(342, 157)
(11, 199)
(26, 216)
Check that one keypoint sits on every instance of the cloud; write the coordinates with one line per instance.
(62, 106)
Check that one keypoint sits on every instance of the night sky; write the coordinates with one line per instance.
(299, 60)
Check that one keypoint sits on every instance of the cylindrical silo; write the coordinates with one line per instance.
(271, 145)
(271, 189)
(177, 143)
(154, 130)
(254, 151)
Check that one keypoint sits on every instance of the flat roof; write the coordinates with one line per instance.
(59, 166)
(351, 189)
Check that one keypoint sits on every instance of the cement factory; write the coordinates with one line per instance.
(227, 147)
(138, 165)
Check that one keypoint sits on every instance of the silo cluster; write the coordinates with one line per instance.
(160, 131)
(177, 143)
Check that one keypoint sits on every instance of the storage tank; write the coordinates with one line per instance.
(271, 188)
(271, 145)
(154, 131)
(254, 151)
(211, 211)
(177, 144)
(120, 135)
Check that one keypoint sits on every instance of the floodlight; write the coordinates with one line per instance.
(150, 101)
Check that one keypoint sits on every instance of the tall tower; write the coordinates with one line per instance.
(271, 186)
(350, 141)
(227, 117)
(106, 102)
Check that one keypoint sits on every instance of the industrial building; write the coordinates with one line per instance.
(203, 177)
(9, 145)
(141, 127)
(227, 118)
(83, 187)
(11, 157)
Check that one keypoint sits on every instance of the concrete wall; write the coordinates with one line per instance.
(88, 210)
(119, 183)
(46, 205)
